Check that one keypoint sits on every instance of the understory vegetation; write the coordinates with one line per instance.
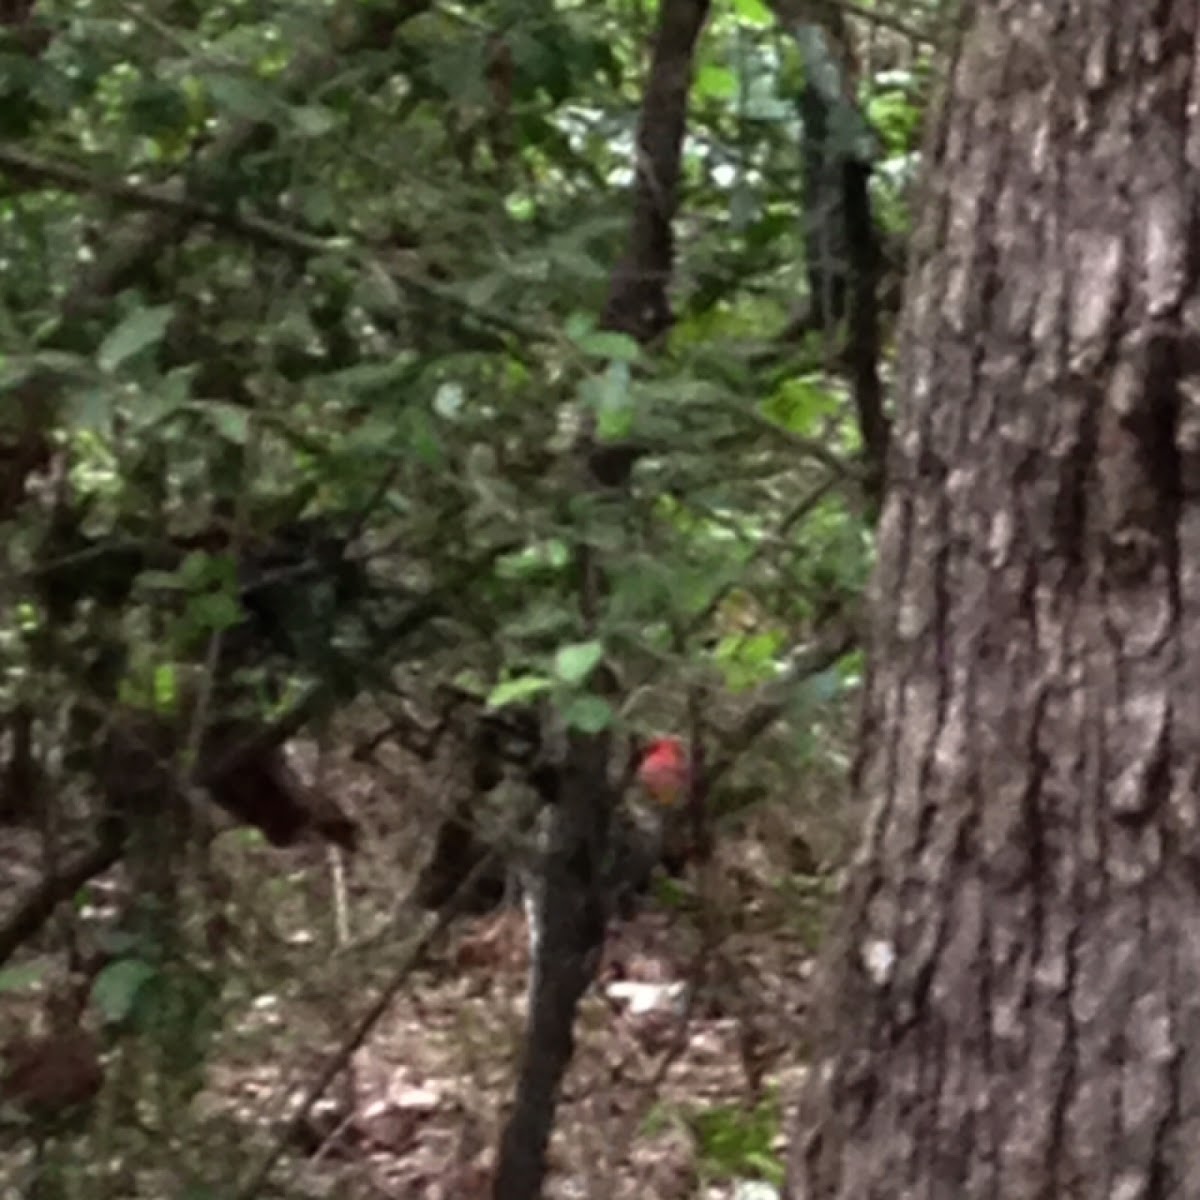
(408, 412)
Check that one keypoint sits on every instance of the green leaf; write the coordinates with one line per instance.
(13, 979)
(313, 120)
(368, 377)
(166, 687)
(91, 409)
(753, 12)
(116, 989)
(851, 669)
(201, 569)
(574, 663)
(605, 343)
(470, 682)
(589, 714)
(609, 396)
(769, 109)
(240, 96)
(215, 611)
(231, 421)
(541, 558)
(738, 1143)
(822, 688)
(137, 332)
(521, 688)
(715, 83)
(748, 659)
(422, 440)
(448, 400)
(743, 207)
(163, 581)
(802, 405)
(538, 621)
(157, 109)
(673, 893)
(318, 205)
(579, 325)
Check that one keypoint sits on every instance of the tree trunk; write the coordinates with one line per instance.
(1013, 991)
(571, 896)
(570, 906)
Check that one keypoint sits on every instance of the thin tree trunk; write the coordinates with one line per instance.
(1013, 992)
(571, 913)
(571, 900)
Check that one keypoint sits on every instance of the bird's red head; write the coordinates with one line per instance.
(665, 770)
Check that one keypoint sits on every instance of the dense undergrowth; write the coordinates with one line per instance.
(330, 434)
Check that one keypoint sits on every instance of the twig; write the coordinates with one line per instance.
(799, 12)
(838, 642)
(169, 200)
(887, 20)
(37, 908)
(794, 517)
(809, 447)
(134, 246)
(696, 977)
(177, 41)
(409, 958)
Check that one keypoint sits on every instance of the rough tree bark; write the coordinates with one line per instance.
(1013, 1004)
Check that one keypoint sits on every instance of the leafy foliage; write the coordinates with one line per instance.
(736, 1142)
(300, 326)
(414, 340)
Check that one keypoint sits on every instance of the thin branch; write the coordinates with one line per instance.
(807, 446)
(173, 38)
(837, 642)
(316, 699)
(38, 907)
(801, 12)
(22, 164)
(338, 1060)
(793, 517)
(887, 20)
(134, 246)
(168, 200)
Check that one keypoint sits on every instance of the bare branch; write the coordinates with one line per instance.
(135, 245)
(168, 200)
(887, 20)
(36, 909)
(338, 1060)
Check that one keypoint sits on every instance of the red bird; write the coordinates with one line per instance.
(665, 770)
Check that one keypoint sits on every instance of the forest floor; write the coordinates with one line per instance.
(689, 1046)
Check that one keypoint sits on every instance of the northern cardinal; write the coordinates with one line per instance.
(665, 770)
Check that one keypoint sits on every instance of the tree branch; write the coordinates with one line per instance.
(637, 300)
(168, 200)
(569, 898)
(887, 20)
(412, 954)
(135, 245)
(836, 642)
(35, 910)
